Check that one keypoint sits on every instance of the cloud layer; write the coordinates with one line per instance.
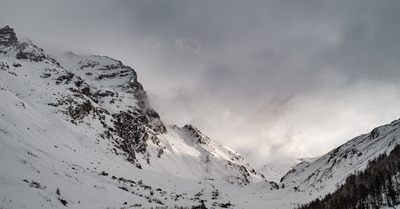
(273, 80)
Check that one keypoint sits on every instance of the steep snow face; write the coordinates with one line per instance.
(200, 158)
(326, 173)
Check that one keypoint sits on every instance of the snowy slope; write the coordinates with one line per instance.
(326, 173)
(274, 171)
(206, 159)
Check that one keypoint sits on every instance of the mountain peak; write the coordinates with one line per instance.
(196, 134)
(7, 36)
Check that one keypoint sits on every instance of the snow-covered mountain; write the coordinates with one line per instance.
(68, 118)
(325, 174)
(79, 131)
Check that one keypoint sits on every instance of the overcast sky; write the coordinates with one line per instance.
(273, 80)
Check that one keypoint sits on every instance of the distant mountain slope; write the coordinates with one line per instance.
(375, 187)
(274, 171)
(325, 174)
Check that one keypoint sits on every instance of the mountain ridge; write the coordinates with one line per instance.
(344, 160)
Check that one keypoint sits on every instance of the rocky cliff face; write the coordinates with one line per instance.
(126, 115)
(113, 84)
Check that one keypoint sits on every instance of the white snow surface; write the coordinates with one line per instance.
(274, 171)
(43, 150)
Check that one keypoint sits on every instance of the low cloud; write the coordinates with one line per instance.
(292, 126)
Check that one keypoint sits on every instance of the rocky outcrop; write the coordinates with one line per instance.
(27, 52)
(195, 134)
(7, 36)
(134, 130)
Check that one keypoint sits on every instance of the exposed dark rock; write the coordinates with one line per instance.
(66, 78)
(86, 91)
(152, 113)
(374, 133)
(7, 36)
(111, 75)
(104, 94)
(80, 110)
(45, 75)
(89, 64)
(4, 66)
(133, 128)
(195, 133)
(30, 52)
